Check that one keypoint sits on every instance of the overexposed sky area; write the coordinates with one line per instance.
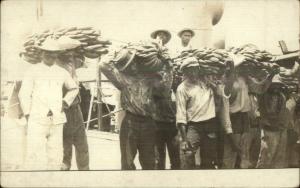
(261, 22)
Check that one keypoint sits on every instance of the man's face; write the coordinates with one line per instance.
(191, 73)
(49, 57)
(163, 36)
(67, 56)
(186, 37)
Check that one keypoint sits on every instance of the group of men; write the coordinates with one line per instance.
(223, 120)
(238, 122)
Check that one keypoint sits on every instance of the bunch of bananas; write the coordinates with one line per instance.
(92, 45)
(255, 60)
(211, 61)
(151, 56)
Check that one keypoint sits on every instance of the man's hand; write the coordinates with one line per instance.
(186, 146)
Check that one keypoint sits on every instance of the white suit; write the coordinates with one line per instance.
(41, 92)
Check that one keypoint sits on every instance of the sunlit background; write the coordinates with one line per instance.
(261, 22)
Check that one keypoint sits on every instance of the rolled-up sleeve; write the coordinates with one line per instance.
(25, 94)
(72, 89)
(181, 104)
(110, 71)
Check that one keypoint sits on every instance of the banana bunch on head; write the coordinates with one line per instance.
(92, 45)
(211, 61)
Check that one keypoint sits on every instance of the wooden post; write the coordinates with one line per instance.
(99, 97)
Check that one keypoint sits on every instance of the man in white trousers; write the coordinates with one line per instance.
(42, 103)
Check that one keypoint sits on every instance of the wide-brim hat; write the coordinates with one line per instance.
(124, 58)
(154, 34)
(189, 62)
(50, 45)
(66, 43)
(184, 30)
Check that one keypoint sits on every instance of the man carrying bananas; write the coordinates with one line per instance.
(236, 141)
(196, 112)
(137, 133)
(74, 129)
(43, 105)
(165, 121)
(185, 35)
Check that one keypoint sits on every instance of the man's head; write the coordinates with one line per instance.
(49, 57)
(186, 35)
(190, 69)
(67, 56)
(163, 35)
(50, 49)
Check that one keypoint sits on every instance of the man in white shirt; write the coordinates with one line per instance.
(185, 35)
(42, 103)
(195, 116)
(162, 36)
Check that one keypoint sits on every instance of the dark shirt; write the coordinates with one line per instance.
(165, 107)
(136, 90)
(273, 111)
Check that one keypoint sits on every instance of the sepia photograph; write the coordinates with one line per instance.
(196, 93)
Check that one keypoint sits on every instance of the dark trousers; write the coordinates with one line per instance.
(203, 135)
(137, 133)
(166, 137)
(74, 134)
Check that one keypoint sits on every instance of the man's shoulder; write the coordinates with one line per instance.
(60, 69)
(182, 86)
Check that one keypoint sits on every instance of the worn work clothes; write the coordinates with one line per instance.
(240, 101)
(165, 108)
(41, 91)
(137, 134)
(253, 146)
(273, 149)
(74, 134)
(44, 145)
(240, 122)
(194, 102)
(274, 114)
(203, 135)
(136, 91)
(166, 136)
(245, 141)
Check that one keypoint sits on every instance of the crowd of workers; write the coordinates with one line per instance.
(241, 122)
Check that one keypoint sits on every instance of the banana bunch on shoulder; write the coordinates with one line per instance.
(255, 60)
(151, 57)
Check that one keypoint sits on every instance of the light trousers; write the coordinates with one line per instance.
(45, 145)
